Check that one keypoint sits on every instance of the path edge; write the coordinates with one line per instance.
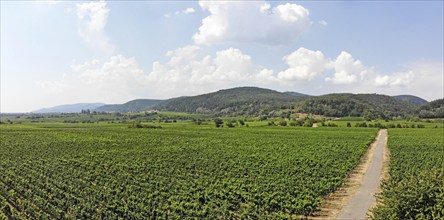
(334, 202)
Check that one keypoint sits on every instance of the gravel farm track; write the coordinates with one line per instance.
(357, 196)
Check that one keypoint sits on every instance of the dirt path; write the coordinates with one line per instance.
(360, 203)
(355, 197)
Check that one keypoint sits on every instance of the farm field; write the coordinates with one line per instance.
(415, 189)
(221, 110)
(96, 171)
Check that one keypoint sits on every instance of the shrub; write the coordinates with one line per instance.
(332, 125)
(218, 122)
(308, 123)
(282, 123)
(230, 124)
(362, 124)
(241, 122)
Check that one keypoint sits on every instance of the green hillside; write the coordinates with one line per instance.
(366, 105)
(414, 100)
(136, 105)
(433, 109)
(236, 101)
(254, 101)
(296, 93)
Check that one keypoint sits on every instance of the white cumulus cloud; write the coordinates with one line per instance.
(251, 21)
(303, 65)
(396, 79)
(118, 78)
(347, 69)
(92, 21)
(187, 71)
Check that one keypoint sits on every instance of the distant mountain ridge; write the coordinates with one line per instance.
(69, 108)
(254, 101)
(136, 105)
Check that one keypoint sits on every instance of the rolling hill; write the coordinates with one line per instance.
(296, 93)
(254, 101)
(136, 105)
(235, 101)
(365, 105)
(414, 100)
(70, 108)
(433, 109)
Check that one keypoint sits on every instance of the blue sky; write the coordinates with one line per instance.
(55, 52)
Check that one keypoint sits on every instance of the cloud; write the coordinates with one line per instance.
(400, 79)
(347, 70)
(187, 71)
(428, 79)
(251, 21)
(303, 65)
(423, 79)
(188, 11)
(116, 80)
(232, 64)
(118, 77)
(92, 21)
(185, 12)
(323, 23)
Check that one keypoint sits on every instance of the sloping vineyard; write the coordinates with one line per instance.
(415, 189)
(110, 172)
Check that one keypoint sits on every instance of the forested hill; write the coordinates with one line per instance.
(369, 106)
(253, 101)
(414, 100)
(136, 105)
(433, 109)
(236, 101)
(296, 93)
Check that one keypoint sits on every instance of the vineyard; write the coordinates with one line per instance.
(99, 171)
(415, 189)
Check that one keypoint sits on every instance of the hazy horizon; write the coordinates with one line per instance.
(114, 52)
